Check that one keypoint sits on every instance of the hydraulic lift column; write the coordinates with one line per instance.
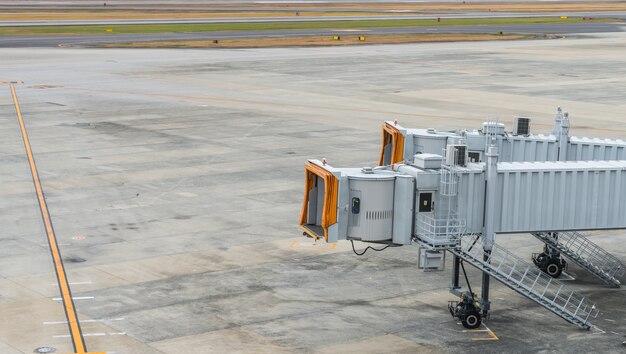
(489, 234)
(455, 286)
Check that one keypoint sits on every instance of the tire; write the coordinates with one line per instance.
(554, 268)
(472, 321)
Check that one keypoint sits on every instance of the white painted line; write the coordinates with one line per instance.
(608, 319)
(75, 298)
(100, 334)
(76, 283)
(94, 334)
(84, 321)
(599, 330)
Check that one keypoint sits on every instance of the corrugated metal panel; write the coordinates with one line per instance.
(538, 148)
(587, 149)
(373, 219)
(471, 200)
(403, 209)
(561, 196)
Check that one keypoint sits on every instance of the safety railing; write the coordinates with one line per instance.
(529, 281)
(439, 232)
(586, 254)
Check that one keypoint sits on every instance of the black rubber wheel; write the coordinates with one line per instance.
(471, 321)
(554, 268)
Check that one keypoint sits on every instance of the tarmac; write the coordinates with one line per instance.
(174, 179)
(38, 41)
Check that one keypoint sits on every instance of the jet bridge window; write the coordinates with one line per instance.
(393, 146)
(474, 156)
(426, 202)
(356, 205)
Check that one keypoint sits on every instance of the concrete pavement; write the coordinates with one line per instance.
(174, 179)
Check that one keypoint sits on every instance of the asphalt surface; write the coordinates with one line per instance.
(621, 15)
(94, 40)
(196, 2)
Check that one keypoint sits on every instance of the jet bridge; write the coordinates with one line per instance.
(560, 196)
(400, 144)
(432, 192)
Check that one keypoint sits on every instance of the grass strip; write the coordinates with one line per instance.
(266, 26)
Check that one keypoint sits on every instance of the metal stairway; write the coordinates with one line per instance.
(586, 254)
(527, 280)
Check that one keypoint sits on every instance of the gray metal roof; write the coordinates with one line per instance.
(560, 166)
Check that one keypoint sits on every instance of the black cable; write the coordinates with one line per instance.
(466, 280)
(472, 246)
(371, 248)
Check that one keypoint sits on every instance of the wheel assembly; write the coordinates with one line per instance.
(472, 321)
(467, 310)
(550, 262)
(554, 268)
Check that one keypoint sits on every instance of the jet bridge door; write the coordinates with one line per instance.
(319, 209)
(393, 146)
(426, 202)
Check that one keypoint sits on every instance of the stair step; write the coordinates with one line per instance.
(508, 269)
(582, 258)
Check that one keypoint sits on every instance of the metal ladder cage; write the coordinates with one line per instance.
(578, 247)
(529, 281)
(444, 228)
(449, 179)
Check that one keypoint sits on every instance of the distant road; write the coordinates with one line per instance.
(197, 2)
(191, 2)
(621, 15)
(91, 40)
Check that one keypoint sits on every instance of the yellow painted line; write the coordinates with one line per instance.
(70, 311)
(492, 336)
(313, 246)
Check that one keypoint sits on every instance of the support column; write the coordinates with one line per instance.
(485, 303)
(489, 234)
(561, 132)
(455, 286)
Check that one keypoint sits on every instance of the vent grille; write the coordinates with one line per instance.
(521, 126)
(379, 214)
(456, 155)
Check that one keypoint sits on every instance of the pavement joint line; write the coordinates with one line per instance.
(78, 342)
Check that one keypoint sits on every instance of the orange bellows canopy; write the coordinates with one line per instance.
(331, 188)
(391, 135)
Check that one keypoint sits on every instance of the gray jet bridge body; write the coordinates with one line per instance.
(454, 191)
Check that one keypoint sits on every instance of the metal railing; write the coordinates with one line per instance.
(529, 281)
(448, 181)
(586, 254)
(440, 232)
